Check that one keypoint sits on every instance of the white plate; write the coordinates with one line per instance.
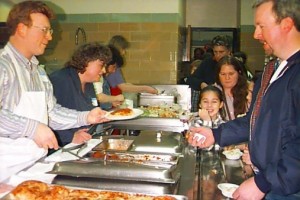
(233, 154)
(227, 189)
(136, 112)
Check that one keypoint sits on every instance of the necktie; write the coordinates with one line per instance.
(267, 75)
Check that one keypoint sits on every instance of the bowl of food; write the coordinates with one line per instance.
(233, 154)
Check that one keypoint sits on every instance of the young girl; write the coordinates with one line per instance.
(211, 111)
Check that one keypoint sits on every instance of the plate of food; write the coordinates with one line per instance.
(227, 189)
(124, 113)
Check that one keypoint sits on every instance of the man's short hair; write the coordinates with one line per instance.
(222, 40)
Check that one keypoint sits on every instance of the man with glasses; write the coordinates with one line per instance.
(27, 105)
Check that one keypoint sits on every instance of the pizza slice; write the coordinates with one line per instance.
(122, 112)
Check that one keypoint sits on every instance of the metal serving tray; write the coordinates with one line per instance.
(135, 157)
(110, 144)
(118, 170)
(158, 142)
(152, 99)
(120, 185)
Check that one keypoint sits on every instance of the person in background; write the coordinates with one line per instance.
(208, 51)
(234, 84)
(28, 109)
(198, 53)
(102, 89)
(242, 57)
(73, 86)
(271, 125)
(116, 80)
(194, 93)
(206, 72)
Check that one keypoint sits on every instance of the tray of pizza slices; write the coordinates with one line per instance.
(31, 190)
(131, 171)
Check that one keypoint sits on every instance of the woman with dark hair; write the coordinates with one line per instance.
(232, 79)
(73, 85)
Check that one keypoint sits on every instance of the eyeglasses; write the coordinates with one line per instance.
(45, 30)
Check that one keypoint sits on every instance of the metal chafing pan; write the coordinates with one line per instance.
(158, 142)
(120, 185)
(135, 157)
(111, 144)
(118, 170)
(145, 99)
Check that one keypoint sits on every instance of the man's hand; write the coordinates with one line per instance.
(248, 191)
(44, 137)
(81, 136)
(207, 132)
(96, 115)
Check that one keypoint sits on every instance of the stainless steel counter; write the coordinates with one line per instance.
(147, 123)
(201, 172)
(214, 168)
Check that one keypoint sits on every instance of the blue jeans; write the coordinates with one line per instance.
(272, 196)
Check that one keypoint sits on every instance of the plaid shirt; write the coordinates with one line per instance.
(212, 124)
(195, 96)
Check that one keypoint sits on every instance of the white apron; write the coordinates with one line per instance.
(32, 104)
(17, 154)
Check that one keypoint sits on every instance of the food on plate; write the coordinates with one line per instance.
(122, 112)
(29, 190)
(161, 111)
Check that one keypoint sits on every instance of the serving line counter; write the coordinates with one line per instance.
(156, 161)
(146, 123)
(196, 175)
(186, 173)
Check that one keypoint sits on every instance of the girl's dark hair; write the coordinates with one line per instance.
(240, 90)
(20, 13)
(87, 53)
(116, 57)
(218, 92)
